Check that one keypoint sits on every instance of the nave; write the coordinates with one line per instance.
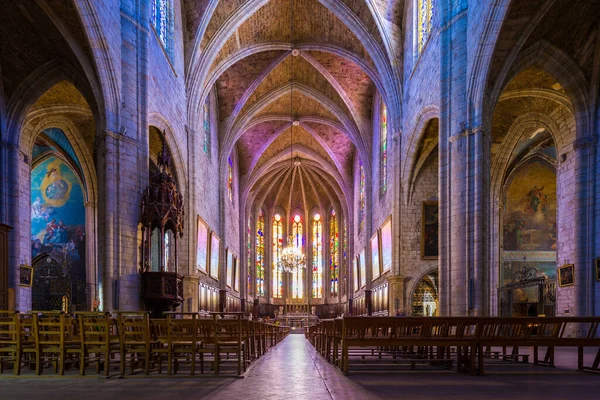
(294, 370)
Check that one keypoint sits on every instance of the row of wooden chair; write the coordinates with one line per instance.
(461, 342)
(183, 340)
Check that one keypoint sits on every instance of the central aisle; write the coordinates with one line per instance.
(293, 370)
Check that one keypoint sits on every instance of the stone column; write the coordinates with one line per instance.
(190, 292)
(583, 243)
(396, 295)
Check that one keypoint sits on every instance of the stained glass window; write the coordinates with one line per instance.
(345, 244)
(384, 150)
(317, 260)
(334, 252)
(260, 255)
(361, 197)
(249, 250)
(298, 275)
(162, 21)
(230, 179)
(277, 249)
(425, 14)
(206, 117)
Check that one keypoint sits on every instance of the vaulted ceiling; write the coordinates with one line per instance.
(318, 63)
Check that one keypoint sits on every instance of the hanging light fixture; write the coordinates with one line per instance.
(292, 258)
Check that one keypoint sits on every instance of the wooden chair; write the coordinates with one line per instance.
(98, 335)
(184, 340)
(135, 339)
(159, 328)
(56, 340)
(207, 336)
(229, 340)
(9, 340)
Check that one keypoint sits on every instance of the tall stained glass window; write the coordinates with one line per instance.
(277, 247)
(206, 117)
(260, 255)
(249, 255)
(298, 275)
(334, 253)
(425, 14)
(230, 178)
(383, 176)
(361, 197)
(162, 20)
(317, 259)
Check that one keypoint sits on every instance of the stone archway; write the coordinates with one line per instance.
(425, 295)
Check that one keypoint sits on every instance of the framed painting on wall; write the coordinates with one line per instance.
(375, 259)
(386, 245)
(25, 276)
(566, 275)
(202, 246)
(229, 258)
(429, 230)
(356, 276)
(214, 255)
(363, 268)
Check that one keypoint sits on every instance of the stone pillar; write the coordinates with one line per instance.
(190, 293)
(457, 156)
(396, 296)
(583, 243)
(369, 301)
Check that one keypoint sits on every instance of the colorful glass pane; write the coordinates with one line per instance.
(206, 117)
(298, 275)
(230, 179)
(425, 12)
(161, 19)
(361, 197)
(260, 255)
(277, 247)
(317, 260)
(334, 252)
(384, 147)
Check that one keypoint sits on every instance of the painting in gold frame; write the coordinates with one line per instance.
(375, 256)
(214, 255)
(566, 275)
(25, 276)
(385, 238)
(429, 230)
(202, 259)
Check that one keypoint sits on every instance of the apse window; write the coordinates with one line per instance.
(162, 20)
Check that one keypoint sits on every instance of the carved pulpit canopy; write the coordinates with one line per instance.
(162, 204)
(162, 224)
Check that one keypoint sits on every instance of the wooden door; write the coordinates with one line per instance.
(4, 229)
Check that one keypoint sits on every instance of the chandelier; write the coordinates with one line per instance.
(292, 258)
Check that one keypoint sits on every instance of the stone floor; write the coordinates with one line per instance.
(293, 370)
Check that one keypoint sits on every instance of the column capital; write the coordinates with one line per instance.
(585, 142)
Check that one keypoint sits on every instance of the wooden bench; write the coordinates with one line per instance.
(425, 340)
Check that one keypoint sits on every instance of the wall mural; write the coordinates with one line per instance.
(529, 221)
(58, 218)
(530, 209)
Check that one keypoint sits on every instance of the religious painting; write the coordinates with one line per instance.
(58, 215)
(386, 245)
(229, 258)
(566, 275)
(363, 268)
(202, 246)
(375, 261)
(597, 269)
(429, 230)
(25, 276)
(356, 276)
(529, 217)
(214, 255)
